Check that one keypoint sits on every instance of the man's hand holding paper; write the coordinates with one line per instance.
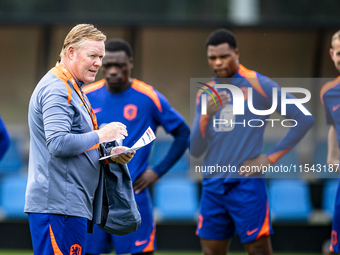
(145, 139)
(122, 154)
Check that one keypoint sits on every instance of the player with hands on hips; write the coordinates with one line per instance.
(138, 106)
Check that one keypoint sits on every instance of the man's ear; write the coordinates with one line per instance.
(70, 52)
(331, 52)
(237, 54)
(131, 63)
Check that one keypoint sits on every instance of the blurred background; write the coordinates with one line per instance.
(278, 38)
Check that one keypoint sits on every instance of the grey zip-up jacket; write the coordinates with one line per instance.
(63, 174)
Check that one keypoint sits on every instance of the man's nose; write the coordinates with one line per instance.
(98, 62)
(218, 62)
(113, 70)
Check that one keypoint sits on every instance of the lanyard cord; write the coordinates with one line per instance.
(80, 94)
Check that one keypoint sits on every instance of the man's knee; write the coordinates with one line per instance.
(261, 246)
(144, 253)
(214, 247)
(209, 250)
(259, 251)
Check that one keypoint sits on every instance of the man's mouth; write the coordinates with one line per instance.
(113, 80)
(221, 72)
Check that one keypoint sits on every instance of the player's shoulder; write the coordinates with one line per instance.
(141, 86)
(251, 74)
(328, 86)
(148, 91)
(51, 83)
(51, 87)
(261, 83)
(93, 86)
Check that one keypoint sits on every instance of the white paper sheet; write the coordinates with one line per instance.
(145, 139)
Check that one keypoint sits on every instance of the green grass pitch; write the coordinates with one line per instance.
(23, 252)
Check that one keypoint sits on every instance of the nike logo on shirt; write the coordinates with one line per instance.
(97, 110)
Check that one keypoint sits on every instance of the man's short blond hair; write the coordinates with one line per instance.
(336, 36)
(80, 33)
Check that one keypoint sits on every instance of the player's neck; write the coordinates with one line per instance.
(121, 88)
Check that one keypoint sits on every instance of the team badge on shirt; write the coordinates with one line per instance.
(75, 249)
(334, 237)
(130, 111)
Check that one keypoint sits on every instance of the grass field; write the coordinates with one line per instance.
(23, 252)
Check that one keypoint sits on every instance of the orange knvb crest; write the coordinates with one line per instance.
(75, 249)
(334, 237)
(130, 111)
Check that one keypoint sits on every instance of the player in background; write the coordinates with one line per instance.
(4, 139)
(330, 98)
(232, 203)
(138, 106)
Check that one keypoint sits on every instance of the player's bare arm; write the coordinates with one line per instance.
(179, 145)
(146, 179)
(333, 148)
